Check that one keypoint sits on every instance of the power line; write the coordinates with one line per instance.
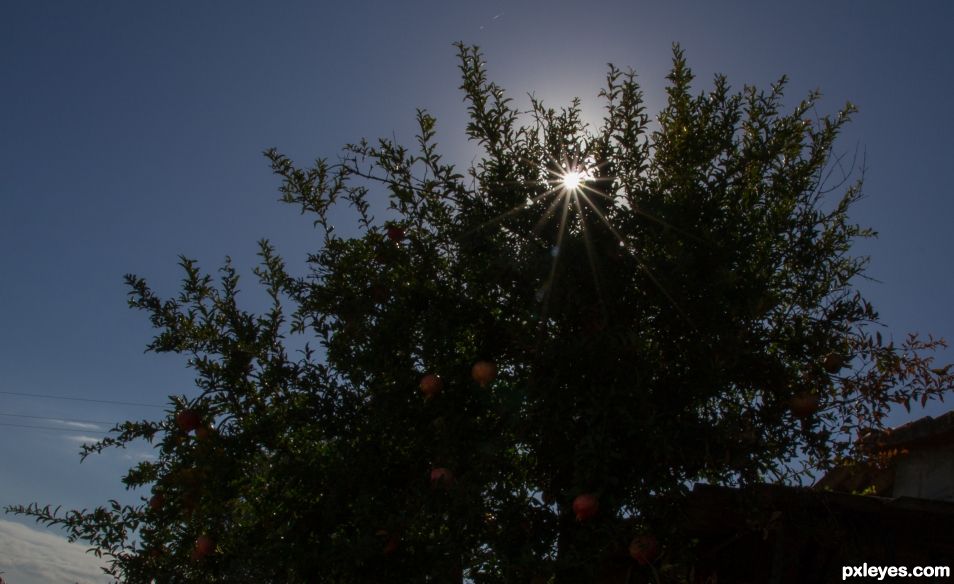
(82, 399)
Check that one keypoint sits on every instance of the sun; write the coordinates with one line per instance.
(571, 180)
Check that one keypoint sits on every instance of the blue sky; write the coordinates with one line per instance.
(132, 132)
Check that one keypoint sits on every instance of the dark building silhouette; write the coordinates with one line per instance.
(897, 513)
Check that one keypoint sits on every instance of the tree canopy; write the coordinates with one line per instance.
(515, 373)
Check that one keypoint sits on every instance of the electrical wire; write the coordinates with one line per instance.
(82, 399)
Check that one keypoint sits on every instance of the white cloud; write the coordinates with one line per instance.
(81, 425)
(84, 439)
(32, 556)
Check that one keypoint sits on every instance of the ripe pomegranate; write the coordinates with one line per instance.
(156, 502)
(431, 385)
(391, 545)
(804, 404)
(204, 432)
(644, 549)
(441, 477)
(833, 363)
(483, 372)
(585, 506)
(188, 420)
(204, 546)
(395, 233)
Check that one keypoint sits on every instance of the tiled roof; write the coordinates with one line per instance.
(926, 431)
